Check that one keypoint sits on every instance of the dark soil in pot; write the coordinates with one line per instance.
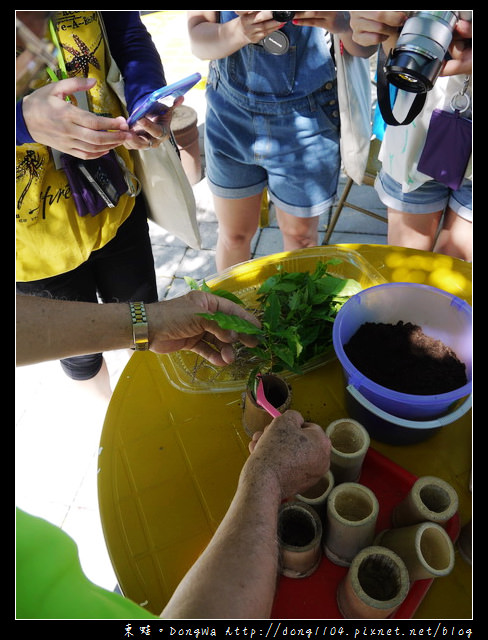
(402, 358)
(296, 529)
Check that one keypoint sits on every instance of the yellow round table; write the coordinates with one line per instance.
(173, 444)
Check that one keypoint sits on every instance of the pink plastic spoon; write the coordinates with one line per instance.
(261, 399)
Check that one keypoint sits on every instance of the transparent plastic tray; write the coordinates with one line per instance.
(189, 372)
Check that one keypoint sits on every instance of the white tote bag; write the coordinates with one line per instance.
(168, 194)
(354, 95)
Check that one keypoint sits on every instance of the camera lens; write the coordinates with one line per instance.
(412, 72)
(283, 16)
(416, 61)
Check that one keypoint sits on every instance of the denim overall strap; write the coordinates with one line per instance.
(254, 75)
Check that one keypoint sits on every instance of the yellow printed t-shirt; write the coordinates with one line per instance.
(51, 237)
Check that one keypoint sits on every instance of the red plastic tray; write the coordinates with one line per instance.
(315, 597)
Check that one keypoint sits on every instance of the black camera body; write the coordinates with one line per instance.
(283, 16)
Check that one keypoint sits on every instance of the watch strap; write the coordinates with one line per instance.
(140, 329)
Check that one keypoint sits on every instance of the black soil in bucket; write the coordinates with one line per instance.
(402, 358)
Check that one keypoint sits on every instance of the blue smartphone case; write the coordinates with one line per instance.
(150, 104)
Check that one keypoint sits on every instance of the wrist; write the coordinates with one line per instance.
(140, 326)
(23, 135)
(261, 480)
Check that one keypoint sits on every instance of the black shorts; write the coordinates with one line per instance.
(120, 271)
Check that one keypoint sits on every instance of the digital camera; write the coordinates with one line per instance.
(283, 16)
(417, 58)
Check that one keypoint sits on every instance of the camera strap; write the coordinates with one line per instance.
(384, 100)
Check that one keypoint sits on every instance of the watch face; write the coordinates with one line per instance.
(276, 43)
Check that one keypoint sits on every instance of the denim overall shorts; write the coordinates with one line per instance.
(273, 121)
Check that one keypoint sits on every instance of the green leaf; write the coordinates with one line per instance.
(272, 311)
(232, 323)
(193, 284)
(226, 294)
(350, 287)
(295, 301)
(222, 293)
(268, 284)
(285, 354)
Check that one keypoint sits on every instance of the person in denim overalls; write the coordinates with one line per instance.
(272, 121)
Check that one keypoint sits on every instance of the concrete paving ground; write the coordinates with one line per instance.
(58, 425)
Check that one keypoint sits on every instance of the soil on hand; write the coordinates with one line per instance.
(402, 358)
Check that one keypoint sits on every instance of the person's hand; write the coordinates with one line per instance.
(291, 452)
(461, 50)
(372, 27)
(150, 131)
(332, 21)
(175, 324)
(256, 25)
(61, 125)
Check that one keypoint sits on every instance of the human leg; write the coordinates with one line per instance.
(456, 237)
(234, 177)
(298, 233)
(303, 176)
(88, 371)
(98, 385)
(238, 221)
(124, 268)
(413, 230)
(413, 216)
(121, 269)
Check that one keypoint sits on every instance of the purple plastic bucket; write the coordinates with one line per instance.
(441, 315)
(384, 427)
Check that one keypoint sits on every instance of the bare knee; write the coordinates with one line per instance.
(299, 240)
(235, 239)
(298, 233)
(455, 238)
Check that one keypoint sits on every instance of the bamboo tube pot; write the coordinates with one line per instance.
(350, 443)
(277, 392)
(425, 548)
(375, 585)
(430, 499)
(299, 536)
(317, 496)
(352, 512)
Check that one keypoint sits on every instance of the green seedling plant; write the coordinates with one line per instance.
(296, 310)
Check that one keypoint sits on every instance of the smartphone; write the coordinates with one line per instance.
(100, 181)
(152, 103)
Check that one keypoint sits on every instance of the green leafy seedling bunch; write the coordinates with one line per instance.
(296, 311)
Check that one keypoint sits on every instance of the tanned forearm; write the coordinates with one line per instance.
(49, 329)
(235, 577)
(52, 329)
